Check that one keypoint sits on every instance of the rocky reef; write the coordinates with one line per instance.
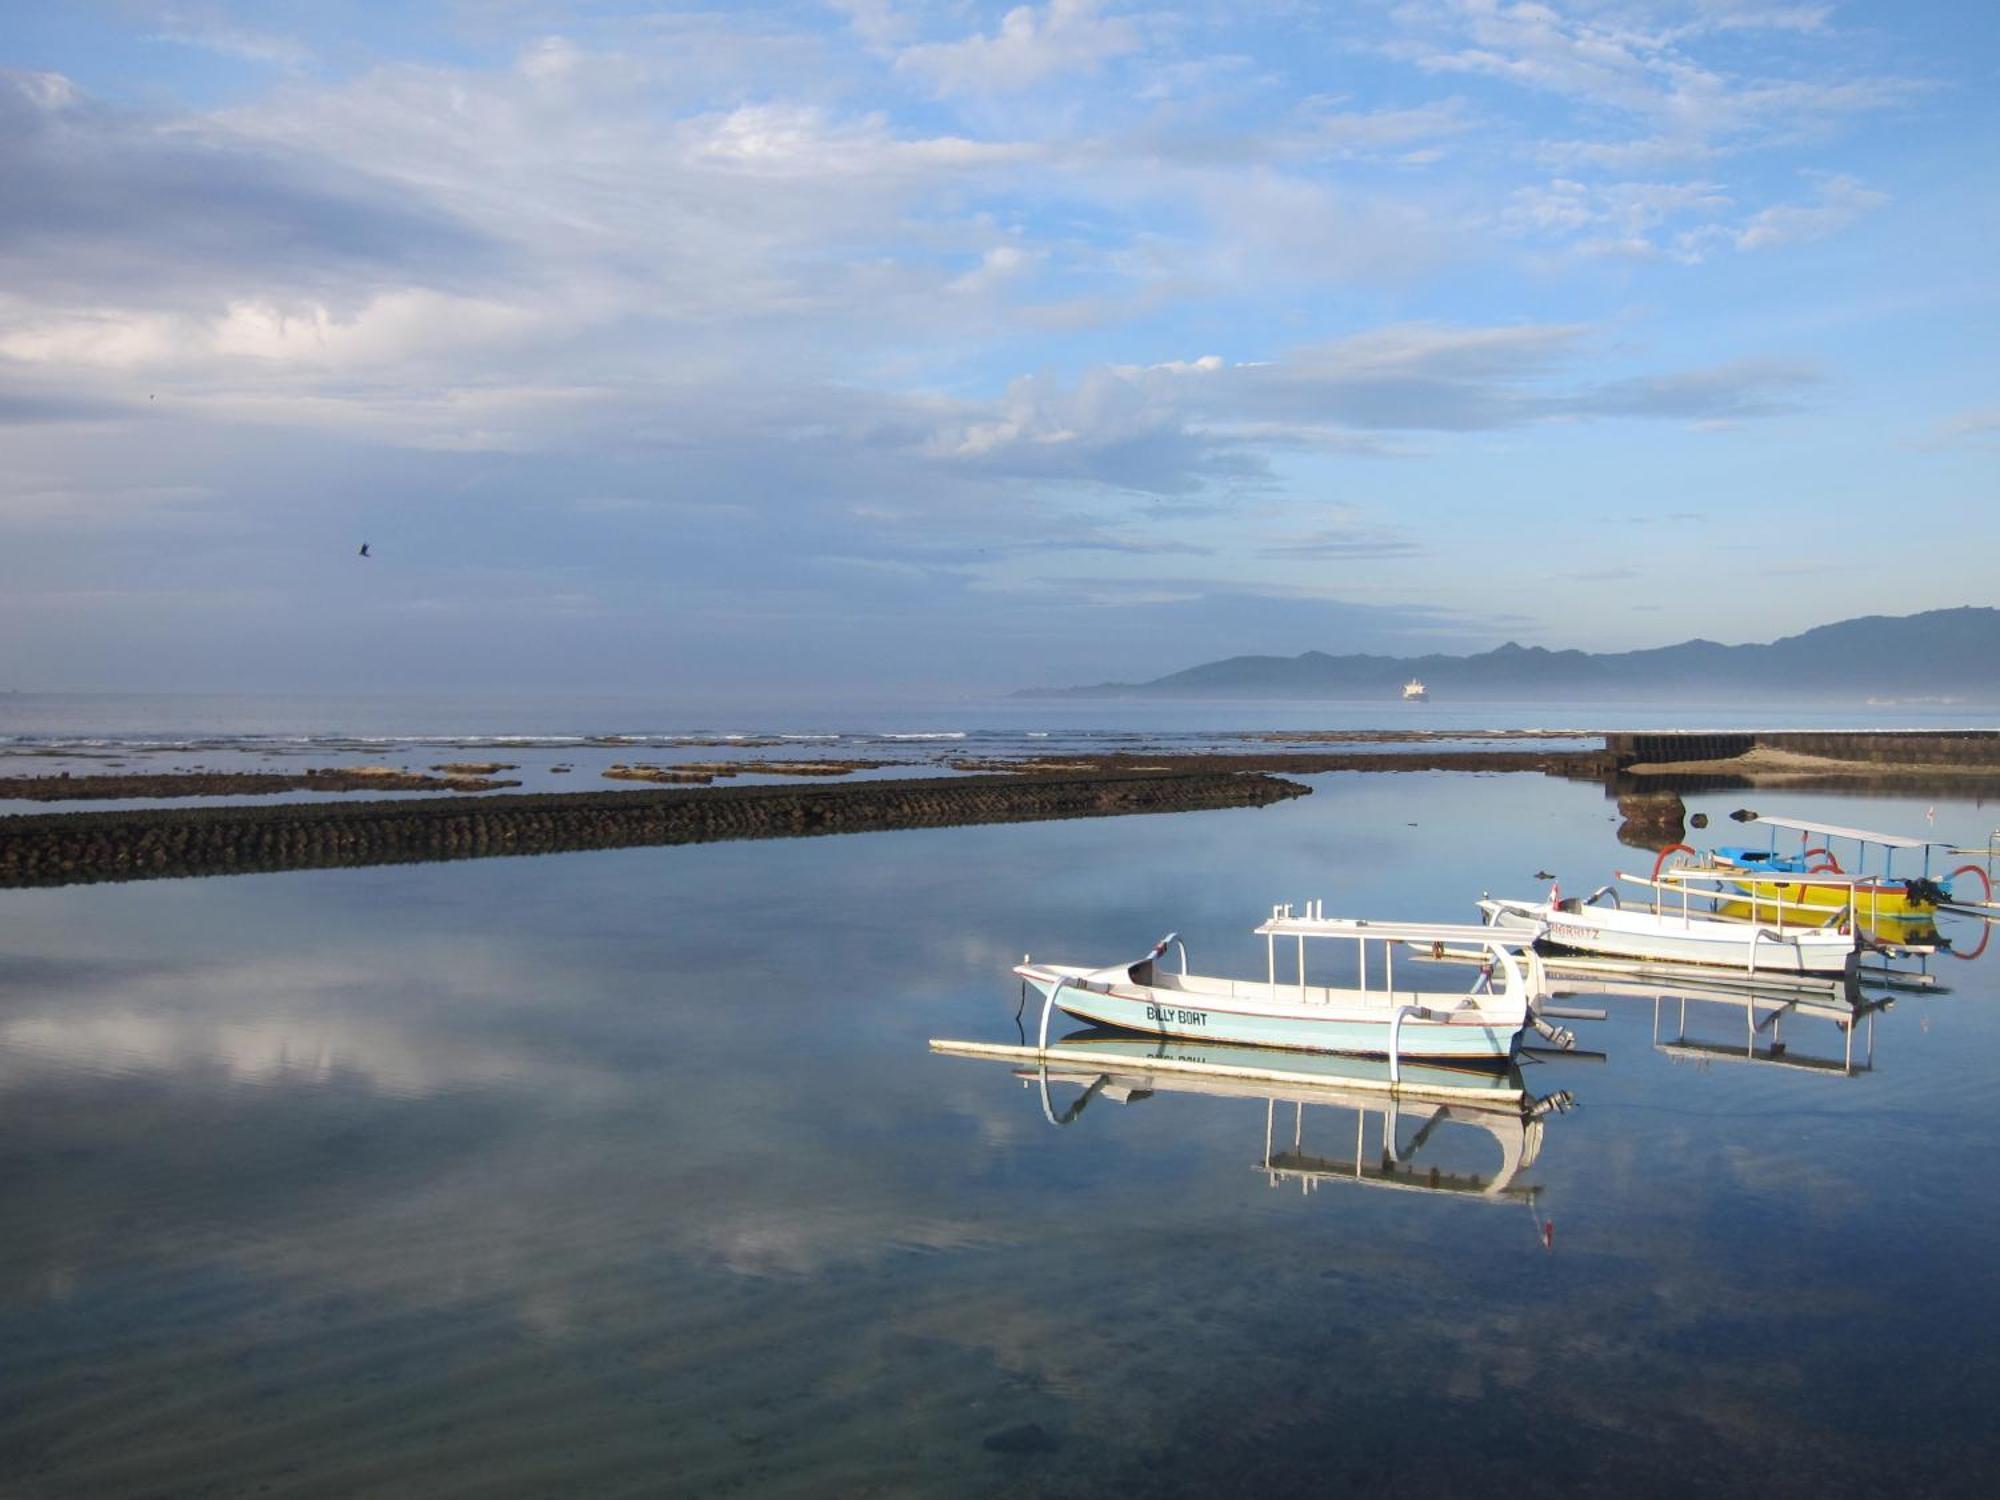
(136, 844)
(67, 788)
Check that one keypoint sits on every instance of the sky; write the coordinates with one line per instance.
(878, 348)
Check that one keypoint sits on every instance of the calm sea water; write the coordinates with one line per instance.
(566, 744)
(631, 1173)
(188, 720)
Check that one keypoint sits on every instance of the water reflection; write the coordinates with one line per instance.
(1763, 1038)
(1445, 1105)
(626, 1173)
(1764, 1005)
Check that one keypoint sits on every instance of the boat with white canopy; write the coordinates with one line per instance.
(1798, 877)
(1694, 929)
(1380, 1019)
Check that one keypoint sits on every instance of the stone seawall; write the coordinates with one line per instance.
(74, 847)
(1975, 749)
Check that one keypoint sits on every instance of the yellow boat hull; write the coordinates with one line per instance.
(1891, 901)
(1905, 929)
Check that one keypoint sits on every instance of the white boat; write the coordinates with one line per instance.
(1662, 932)
(1414, 691)
(1482, 1024)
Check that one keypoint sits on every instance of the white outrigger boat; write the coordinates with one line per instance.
(1480, 1025)
(1660, 932)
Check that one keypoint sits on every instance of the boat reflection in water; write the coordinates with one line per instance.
(1431, 1111)
(1765, 1009)
(1762, 1037)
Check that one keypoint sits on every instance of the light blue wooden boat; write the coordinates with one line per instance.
(1312, 1076)
(1482, 1024)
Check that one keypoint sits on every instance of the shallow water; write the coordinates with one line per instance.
(630, 1172)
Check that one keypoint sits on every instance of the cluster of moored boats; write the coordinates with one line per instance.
(1768, 932)
(1763, 913)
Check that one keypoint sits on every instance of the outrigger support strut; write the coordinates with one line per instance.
(1042, 1046)
(1556, 1036)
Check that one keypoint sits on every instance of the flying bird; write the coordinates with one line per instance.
(364, 549)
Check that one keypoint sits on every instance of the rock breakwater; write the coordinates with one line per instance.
(241, 783)
(137, 844)
(1584, 765)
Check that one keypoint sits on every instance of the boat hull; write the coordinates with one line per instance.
(1790, 881)
(1891, 900)
(1916, 929)
(1364, 1077)
(1709, 944)
(1164, 1013)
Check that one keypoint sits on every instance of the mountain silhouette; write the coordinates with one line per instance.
(1941, 653)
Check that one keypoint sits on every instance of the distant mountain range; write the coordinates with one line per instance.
(1948, 654)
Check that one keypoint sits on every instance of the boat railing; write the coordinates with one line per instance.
(1748, 888)
(1510, 951)
(1403, 1012)
(1171, 940)
(1766, 935)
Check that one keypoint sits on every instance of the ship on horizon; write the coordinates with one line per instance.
(1415, 692)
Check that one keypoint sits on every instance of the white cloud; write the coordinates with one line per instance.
(1365, 133)
(877, 22)
(1841, 201)
(1341, 531)
(1754, 15)
(391, 330)
(205, 28)
(43, 502)
(1613, 218)
(1683, 221)
(1978, 425)
(999, 266)
(1633, 61)
(1032, 45)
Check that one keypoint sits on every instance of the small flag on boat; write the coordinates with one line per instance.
(1930, 816)
(1555, 894)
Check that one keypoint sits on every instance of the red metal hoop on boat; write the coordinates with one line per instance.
(1985, 880)
(1831, 867)
(1667, 854)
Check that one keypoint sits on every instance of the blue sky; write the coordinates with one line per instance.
(899, 349)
